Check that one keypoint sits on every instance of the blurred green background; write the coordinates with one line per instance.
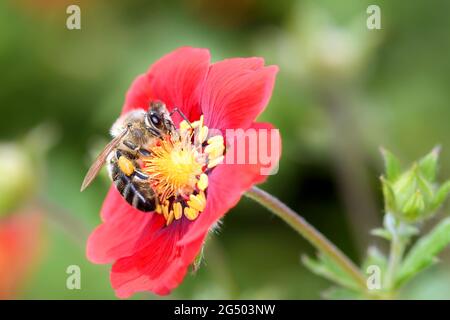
(342, 91)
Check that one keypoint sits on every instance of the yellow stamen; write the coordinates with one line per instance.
(202, 134)
(177, 210)
(215, 150)
(196, 203)
(202, 197)
(165, 211)
(177, 170)
(198, 123)
(214, 162)
(184, 125)
(190, 213)
(174, 168)
(202, 183)
(215, 139)
(169, 218)
(195, 124)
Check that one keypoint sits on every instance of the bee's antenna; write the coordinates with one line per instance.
(182, 115)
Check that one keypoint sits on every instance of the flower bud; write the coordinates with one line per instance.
(414, 194)
(17, 178)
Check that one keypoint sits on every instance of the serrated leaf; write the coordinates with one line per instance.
(428, 164)
(326, 268)
(392, 164)
(423, 253)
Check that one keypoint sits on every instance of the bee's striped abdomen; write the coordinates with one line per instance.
(136, 194)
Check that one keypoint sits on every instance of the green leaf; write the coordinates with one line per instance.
(423, 254)
(392, 164)
(441, 195)
(406, 230)
(428, 164)
(382, 233)
(326, 268)
(414, 206)
(390, 202)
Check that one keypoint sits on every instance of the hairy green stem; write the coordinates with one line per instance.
(311, 234)
(395, 259)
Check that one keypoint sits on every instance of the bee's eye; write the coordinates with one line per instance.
(155, 119)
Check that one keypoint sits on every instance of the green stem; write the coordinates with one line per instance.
(395, 258)
(311, 234)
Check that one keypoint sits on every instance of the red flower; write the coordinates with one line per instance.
(152, 251)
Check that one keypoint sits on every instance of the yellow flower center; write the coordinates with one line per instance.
(178, 168)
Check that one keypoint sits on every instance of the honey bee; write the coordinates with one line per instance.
(133, 136)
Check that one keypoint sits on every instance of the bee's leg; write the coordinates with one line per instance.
(135, 148)
(111, 161)
(154, 132)
(127, 164)
(130, 145)
(118, 154)
(144, 152)
(125, 153)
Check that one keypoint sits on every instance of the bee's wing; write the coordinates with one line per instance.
(100, 160)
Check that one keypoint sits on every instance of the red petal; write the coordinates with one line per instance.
(160, 266)
(227, 183)
(236, 92)
(138, 95)
(176, 79)
(123, 231)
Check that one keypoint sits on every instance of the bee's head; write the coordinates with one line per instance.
(158, 118)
